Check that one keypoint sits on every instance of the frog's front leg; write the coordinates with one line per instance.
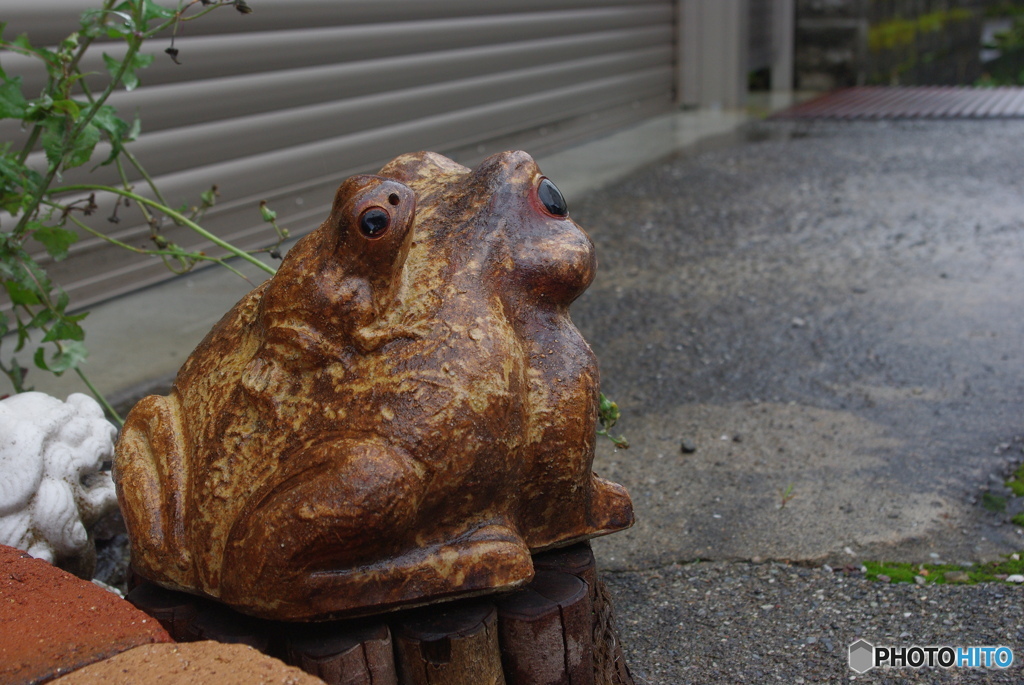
(150, 475)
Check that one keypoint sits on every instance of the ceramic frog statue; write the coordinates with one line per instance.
(402, 414)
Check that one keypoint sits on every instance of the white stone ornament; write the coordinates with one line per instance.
(52, 488)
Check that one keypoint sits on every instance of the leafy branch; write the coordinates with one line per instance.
(66, 122)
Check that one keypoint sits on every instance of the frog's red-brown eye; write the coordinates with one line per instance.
(551, 198)
(374, 222)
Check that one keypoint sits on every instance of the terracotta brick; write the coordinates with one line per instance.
(53, 623)
(186, 664)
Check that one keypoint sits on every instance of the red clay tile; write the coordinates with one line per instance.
(53, 622)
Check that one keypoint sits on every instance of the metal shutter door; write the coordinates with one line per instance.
(284, 103)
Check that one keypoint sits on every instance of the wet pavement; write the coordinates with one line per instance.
(832, 314)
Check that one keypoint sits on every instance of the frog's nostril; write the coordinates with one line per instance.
(394, 199)
(374, 222)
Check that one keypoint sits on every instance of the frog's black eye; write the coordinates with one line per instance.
(551, 198)
(374, 222)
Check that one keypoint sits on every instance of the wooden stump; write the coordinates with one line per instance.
(609, 663)
(217, 622)
(449, 644)
(558, 629)
(174, 610)
(344, 653)
(546, 632)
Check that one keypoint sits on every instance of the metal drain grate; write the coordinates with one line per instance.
(918, 102)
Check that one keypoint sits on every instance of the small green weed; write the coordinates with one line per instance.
(786, 495)
(995, 571)
(608, 414)
(1016, 482)
(993, 503)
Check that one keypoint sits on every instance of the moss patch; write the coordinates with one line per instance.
(995, 571)
(1016, 482)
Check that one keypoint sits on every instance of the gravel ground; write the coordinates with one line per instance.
(719, 622)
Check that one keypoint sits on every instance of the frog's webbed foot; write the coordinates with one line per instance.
(150, 474)
(611, 509)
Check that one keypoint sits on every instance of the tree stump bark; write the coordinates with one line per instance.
(454, 644)
(344, 654)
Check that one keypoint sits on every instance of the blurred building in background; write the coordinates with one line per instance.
(888, 42)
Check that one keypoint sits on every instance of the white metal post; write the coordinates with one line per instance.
(783, 44)
(713, 49)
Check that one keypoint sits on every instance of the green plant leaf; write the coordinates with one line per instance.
(4, 321)
(117, 130)
(62, 304)
(25, 281)
(129, 78)
(81, 149)
(39, 108)
(20, 294)
(40, 359)
(134, 130)
(16, 180)
(71, 354)
(151, 11)
(111, 23)
(64, 330)
(17, 375)
(69, 107)
(56, 240)
(22, 44)
(106, 120)
(42, 317)
(53, 139)
(13, 104)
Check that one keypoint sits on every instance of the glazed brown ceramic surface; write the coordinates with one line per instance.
(402, 414)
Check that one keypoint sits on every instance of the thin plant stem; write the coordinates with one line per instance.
(176, 216)
(100, 398)
(159, 253)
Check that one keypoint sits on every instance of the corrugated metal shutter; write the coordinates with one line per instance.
(284, 103)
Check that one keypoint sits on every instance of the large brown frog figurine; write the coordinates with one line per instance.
(403, 413)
